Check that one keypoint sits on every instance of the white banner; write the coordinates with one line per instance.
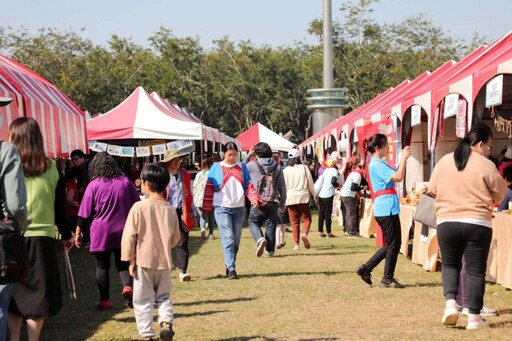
(494, 91)
(415, 115)
(450, 105)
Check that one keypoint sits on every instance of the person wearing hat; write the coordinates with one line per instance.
(13, 200)
(325, 188)
(266, 214)
(179, 195)
(299, 186)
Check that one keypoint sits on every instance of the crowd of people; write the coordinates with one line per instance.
(102, 206)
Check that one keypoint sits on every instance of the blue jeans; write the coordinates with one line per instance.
(211, 221)
(5, 299)
(264, 216)
(230, 221)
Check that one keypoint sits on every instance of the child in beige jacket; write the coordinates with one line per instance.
(151, 231)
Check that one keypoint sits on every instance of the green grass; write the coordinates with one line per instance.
(295, 295)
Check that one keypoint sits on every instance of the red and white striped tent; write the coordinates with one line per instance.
(62, 122)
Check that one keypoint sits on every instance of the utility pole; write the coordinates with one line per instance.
(327, 103)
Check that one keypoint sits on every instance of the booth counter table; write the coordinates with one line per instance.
(499, 263)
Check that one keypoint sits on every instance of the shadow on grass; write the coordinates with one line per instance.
(424, 285)
(499, 325)
(320, 339)
(282, 274)
(307, 253)
(239, 299)
(247, 338)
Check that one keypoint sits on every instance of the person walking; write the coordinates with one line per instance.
(299, 187)
(199, 185)
(267, 178)
(179, 195)
(13, 201)
(38, 294)
(386, 209)
(151, 231)
(106, 202)
(228, 183)
(325, 188)
(350, 197)
(466, 185)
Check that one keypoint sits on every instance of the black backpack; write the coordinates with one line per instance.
(266, 186)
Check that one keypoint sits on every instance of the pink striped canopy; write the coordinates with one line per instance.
(61, 121)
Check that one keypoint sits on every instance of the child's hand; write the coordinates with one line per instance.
(133, 270)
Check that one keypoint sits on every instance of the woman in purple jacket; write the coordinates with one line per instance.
(106, 203)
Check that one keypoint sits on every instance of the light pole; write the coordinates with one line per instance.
(327, 103)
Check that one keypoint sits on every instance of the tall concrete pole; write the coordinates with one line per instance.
(327, 103)
(328, 63)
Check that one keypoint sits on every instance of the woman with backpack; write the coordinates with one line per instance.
(267, 178)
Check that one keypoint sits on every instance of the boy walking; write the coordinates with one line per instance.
(151, 231)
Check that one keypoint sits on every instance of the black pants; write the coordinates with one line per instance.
(457, 240)
(325, 214)
(390, 226)
(182, 252)
(351, 215)
(103, 271)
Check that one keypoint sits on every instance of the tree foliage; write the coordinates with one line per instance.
(236, 84)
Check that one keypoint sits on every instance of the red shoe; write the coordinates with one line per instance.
(104, 305)
(127, 294)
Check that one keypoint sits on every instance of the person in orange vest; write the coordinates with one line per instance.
(179, 195)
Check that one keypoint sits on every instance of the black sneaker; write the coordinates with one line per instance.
(166, 332)
(392, 284)
(232, 274)
(365, 275)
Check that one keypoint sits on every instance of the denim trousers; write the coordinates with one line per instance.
(230, 221)
(265, 215)
(5, 299)
(392, 233)
(211, 221)
(471, 241)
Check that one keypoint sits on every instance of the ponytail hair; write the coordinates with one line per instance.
(479, 133)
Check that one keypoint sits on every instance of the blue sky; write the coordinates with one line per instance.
(274, 22)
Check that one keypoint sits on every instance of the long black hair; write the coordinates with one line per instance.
(377, 140)
(230, 146)
(479, 133)
(293, 161)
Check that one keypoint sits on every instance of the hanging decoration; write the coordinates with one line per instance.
(184, 146)
(501, 124)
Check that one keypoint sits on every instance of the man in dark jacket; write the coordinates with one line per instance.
(266, 214)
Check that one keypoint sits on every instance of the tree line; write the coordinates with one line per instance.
(233, 85)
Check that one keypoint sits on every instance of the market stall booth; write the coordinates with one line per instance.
(61, 121)
(259, 133)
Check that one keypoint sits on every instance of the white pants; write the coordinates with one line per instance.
(149, 288)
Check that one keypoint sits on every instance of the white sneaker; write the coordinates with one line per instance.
(484, 312)
(478, 324)
(450, 317)
(296, 247)
(184, 277)
(203, 234)
(261, 247)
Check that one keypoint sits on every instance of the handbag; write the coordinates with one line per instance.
(13, 252)
(426, 212)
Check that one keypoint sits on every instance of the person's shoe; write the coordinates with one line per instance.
(330, 235)
(268, 254)
(166, 332)
(353, 235)
(296, 247)
(184, 277)
(392, 284)
(488, 311)
(280, 246)
(127, 294)
(232, 274)
(203, 234)
(450, 316)
(305, 240)
(345, 232)
(211, 236)
(365, 275)
(104, 305)
(261, 247)
(287, 230)
(322, 235)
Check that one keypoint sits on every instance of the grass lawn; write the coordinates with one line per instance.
(296, 295)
